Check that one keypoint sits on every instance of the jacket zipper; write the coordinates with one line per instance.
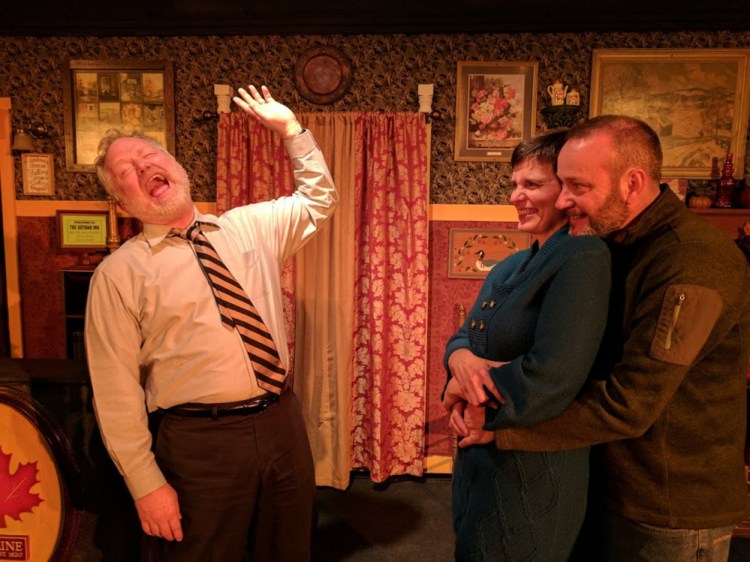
(675, 315)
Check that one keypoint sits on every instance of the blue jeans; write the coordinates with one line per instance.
(630, 541)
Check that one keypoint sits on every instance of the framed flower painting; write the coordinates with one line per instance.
(495, 109)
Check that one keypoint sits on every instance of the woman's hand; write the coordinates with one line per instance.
(473, 376)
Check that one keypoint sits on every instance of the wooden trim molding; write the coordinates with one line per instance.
(438, 464)
(10, 231)
(479, 213)
(49, 208)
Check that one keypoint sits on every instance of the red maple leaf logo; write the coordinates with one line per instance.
(15, 489)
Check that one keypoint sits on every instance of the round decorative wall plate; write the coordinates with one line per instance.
(322, 74)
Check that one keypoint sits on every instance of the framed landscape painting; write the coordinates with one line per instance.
(695, 99)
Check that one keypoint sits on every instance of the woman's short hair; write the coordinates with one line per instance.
(543, 148)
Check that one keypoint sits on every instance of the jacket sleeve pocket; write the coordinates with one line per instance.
(688, 315)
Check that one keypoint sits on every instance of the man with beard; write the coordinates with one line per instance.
(671, 413)
(186, 319)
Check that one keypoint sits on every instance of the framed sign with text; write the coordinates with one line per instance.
(38, 173)
(82, 231)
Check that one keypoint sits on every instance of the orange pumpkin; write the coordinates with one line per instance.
(699, 202)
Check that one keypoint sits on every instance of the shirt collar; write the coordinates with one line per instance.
(156, 233)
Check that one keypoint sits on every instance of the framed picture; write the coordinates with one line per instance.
(38, 173)
(82, 230)
(495, 109)
(41, 482)
(125, 95)
(695, 99)
(475, 251)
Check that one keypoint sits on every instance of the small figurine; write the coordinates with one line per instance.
(573, 97)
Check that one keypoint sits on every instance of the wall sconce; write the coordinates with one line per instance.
(22, 139)
(22, 142)
(425, 93)
(223, 93)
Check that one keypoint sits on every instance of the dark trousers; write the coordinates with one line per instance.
(245, 486)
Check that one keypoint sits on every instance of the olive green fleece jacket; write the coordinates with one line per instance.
(671, 414)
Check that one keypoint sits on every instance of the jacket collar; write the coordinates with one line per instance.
(661, 213)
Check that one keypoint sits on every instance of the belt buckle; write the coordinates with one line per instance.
(258, 405)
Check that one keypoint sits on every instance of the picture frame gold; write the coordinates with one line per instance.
(38, 173)
(695, 99)
(495, 109)
(474, 251)
(99, 95)
(85, 231)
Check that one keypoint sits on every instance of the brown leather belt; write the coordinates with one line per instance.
(241, 408)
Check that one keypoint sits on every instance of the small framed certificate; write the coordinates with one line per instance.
(38, 171)
(82, 231)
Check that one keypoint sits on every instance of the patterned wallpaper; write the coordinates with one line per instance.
(387, 69)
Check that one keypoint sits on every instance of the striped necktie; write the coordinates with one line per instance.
(237, 311)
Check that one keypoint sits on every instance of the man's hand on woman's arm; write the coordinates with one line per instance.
(467, 422)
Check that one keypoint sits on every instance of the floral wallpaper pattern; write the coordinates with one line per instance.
(386, 71)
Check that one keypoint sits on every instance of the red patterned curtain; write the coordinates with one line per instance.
(362, 305)
(390, 336)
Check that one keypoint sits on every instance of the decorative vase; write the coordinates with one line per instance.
(726, 185)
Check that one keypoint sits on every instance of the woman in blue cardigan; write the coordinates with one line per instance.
(535, 330)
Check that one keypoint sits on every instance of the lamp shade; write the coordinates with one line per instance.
(22, 142)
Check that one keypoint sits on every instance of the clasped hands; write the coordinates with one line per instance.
(467, 394)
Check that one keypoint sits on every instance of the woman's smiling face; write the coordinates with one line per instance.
(535, 191)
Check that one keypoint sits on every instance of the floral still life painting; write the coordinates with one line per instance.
(496, 112)
(474, 252)
(495, 109)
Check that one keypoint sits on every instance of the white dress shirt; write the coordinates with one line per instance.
(154, 337)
